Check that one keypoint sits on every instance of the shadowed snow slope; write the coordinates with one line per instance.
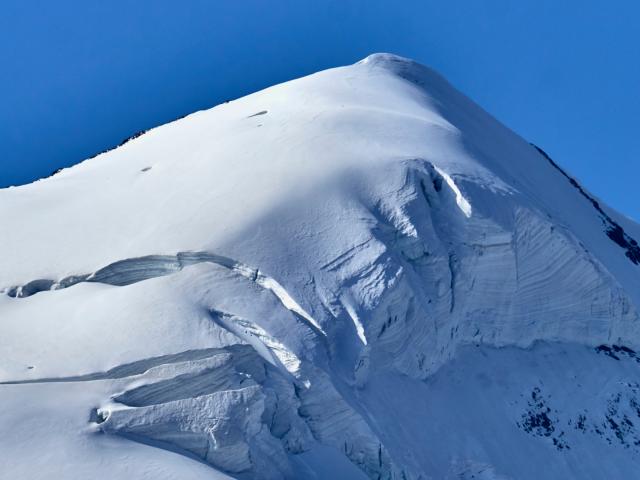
(357, 274)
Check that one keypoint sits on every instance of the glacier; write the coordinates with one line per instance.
(356, 274)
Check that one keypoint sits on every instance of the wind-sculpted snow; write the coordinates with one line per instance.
(126, 370)
(613, 230)
(215, 409)
(133, 270)
(355, 274)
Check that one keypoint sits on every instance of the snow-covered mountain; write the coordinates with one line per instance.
(357, 274)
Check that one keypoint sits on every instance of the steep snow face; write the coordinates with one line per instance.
(301, 282)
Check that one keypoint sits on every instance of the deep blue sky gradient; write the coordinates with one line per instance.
(76, 77)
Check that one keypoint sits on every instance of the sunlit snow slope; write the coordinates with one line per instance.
(357, 274)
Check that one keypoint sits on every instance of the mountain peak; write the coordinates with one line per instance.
(383, 59)
(401, 66)
(341, 276)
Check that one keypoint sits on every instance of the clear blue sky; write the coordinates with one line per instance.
(77, 77)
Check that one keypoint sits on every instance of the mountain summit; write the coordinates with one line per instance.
(356, 274)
